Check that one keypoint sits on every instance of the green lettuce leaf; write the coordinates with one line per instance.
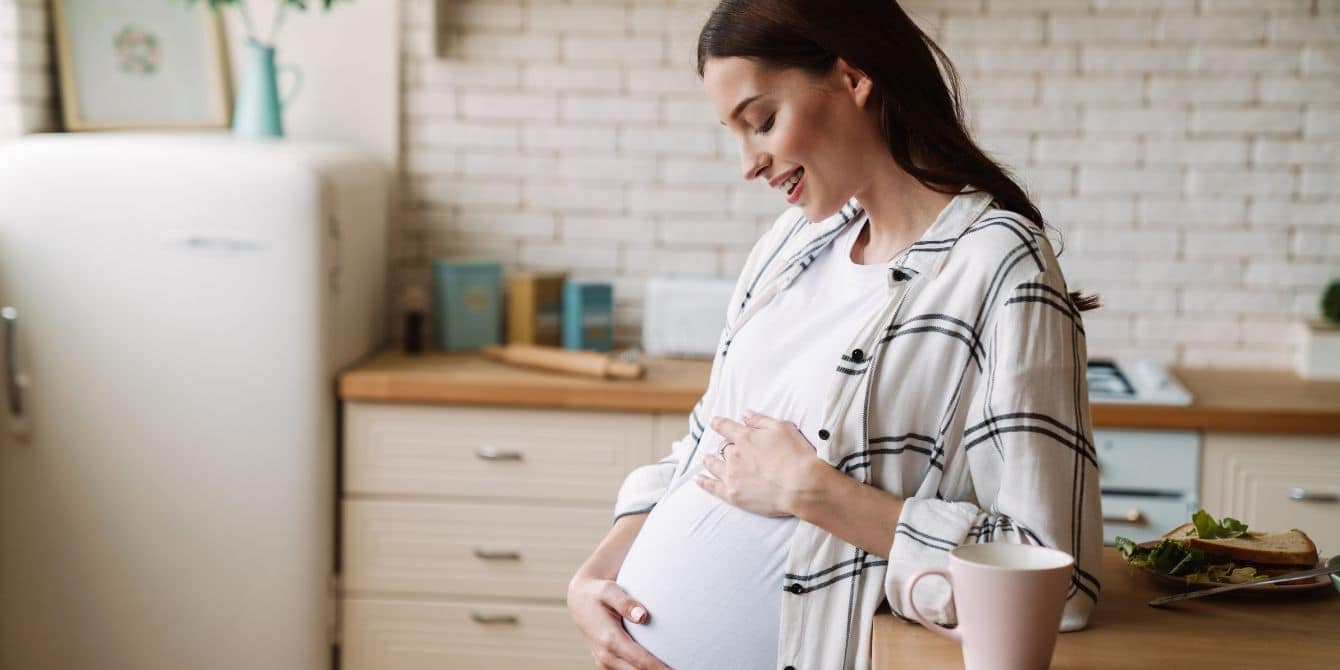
(1208, 529)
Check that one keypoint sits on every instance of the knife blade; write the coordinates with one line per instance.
(1315, 572)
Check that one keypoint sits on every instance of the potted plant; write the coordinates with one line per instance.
(258, 111)
(1319, 341)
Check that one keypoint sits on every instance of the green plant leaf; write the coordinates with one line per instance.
(1330, 302)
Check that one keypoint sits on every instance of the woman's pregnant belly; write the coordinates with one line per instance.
(710, 574)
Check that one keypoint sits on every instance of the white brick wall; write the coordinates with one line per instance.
(26, 100)
(1188, 151)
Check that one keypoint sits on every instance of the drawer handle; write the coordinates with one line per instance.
(492, 619)
(497, 555)
(488, 453)
(1132, 516)
(1301, 494)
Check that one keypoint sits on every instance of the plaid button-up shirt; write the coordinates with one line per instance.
(963, 393)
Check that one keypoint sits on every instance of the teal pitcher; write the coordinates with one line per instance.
(259, 109)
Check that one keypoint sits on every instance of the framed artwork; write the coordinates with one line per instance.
(140, 64)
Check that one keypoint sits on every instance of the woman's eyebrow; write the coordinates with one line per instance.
(740, 107)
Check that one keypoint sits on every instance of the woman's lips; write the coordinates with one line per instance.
(794, 196)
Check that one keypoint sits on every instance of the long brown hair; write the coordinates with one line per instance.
(920, 108)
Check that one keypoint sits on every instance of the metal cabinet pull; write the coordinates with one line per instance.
(13, 388)
(494, 618)
(1132, 515)
(497, 555)
(488, 453)
(1301, 494)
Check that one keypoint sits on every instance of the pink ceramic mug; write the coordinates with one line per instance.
(1008, 598)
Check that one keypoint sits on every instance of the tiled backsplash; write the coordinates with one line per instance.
(1187, 150)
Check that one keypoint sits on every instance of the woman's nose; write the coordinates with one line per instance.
(752, 163)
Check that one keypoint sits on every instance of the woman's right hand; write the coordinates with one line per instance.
(598, 606)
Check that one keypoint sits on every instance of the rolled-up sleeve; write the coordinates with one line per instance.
(1027, 447)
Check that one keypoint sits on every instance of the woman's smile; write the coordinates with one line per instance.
(790, 184)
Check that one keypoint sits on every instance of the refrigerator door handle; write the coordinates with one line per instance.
(13, 389)
(12, 379)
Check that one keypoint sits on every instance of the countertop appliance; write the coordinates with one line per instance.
(176, 307)
(683, 315)
(1134, 381)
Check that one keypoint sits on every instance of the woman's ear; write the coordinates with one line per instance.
(855, 82)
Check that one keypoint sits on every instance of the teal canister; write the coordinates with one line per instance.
(259, 111)
(467, 303)
(588, 315)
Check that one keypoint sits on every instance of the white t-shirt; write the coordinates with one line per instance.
(711, 574)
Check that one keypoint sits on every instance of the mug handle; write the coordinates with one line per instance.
(950, 633)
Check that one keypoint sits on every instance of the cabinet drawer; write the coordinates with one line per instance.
(1143, 518)
(489, 452)
(1250, 477)
(522, 551)
(1148, 460)
(480, 635)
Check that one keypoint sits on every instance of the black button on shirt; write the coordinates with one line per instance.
(795, 588)
(857, 355)
(823, 434)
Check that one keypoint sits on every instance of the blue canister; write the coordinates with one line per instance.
(467, 300)
(588, 315)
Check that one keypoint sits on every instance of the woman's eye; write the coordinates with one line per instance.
(767, 125)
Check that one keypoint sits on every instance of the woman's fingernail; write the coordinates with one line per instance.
(638, 614)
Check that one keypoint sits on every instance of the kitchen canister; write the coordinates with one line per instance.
(588, 315)
(535, 308)
(467, 302)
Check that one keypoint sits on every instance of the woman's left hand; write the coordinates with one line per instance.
(767, 468)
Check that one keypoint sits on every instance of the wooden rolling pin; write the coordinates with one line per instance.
(558, 359)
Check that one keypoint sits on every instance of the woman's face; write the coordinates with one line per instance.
(808, 137)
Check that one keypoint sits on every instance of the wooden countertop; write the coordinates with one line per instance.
(1227, 400)
(1296, 631)
(440, 378)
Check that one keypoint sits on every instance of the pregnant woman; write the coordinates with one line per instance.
(902, 369)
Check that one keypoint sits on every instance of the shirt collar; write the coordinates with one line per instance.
(928, 254)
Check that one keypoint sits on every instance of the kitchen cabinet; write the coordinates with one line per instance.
(1275, 482)
(462, 525)
(471, 491)
(1149, 480)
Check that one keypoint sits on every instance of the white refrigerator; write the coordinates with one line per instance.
(176, 307)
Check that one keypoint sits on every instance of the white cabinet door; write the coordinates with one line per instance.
(468, 549)
(418, 634)
(1256, 477)
(492, 453)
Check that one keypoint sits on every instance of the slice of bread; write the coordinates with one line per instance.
(1291, 547)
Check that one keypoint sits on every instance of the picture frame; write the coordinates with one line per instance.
(139, 64)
